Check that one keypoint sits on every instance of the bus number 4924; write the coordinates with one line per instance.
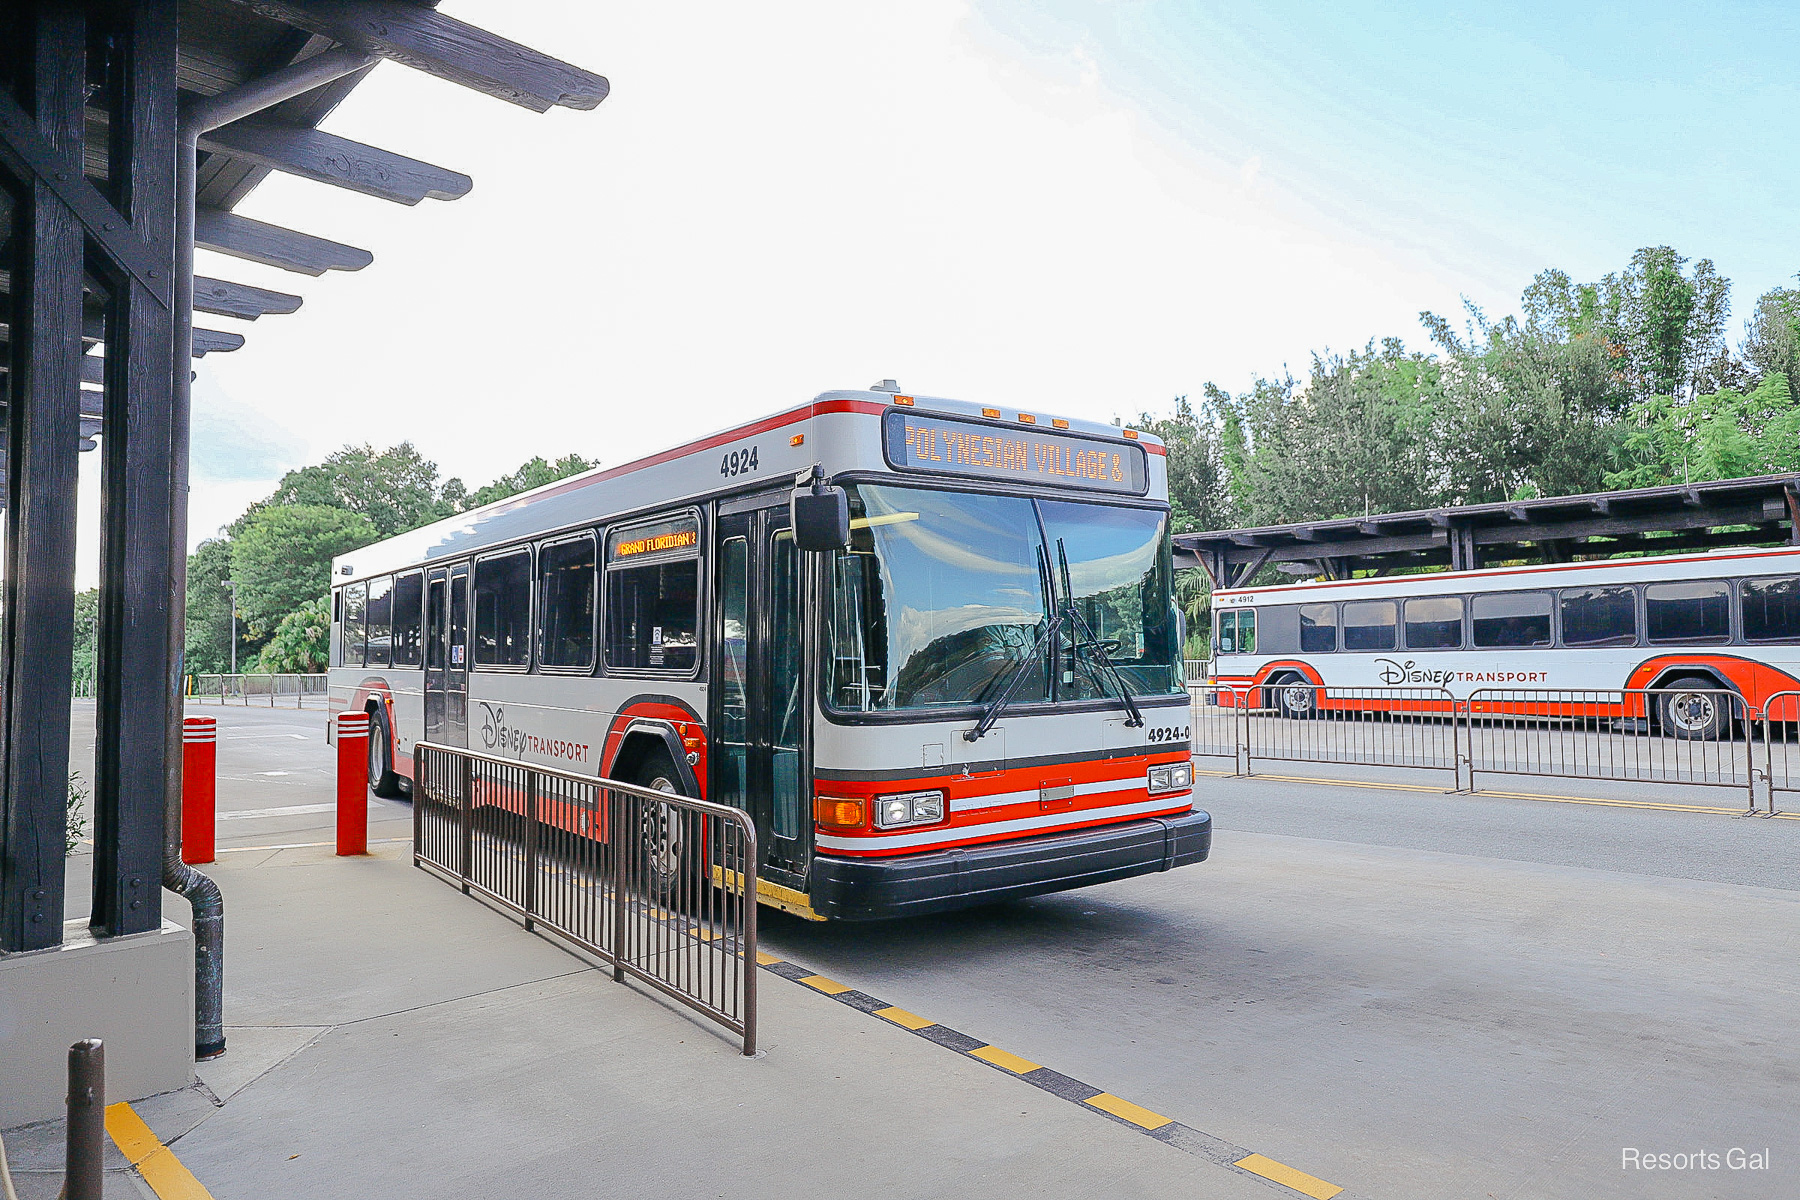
(738, 462)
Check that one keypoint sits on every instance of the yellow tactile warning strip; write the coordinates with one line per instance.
(1281, 1173)
(1005, 1061)
(1164, 1129)
(165, 1174)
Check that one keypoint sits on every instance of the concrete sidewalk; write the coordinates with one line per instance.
(389, 1036)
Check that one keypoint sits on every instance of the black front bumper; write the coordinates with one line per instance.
(867, 889)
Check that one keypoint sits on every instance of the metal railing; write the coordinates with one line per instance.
(659, 885)
(1699, 737)
(1781, 744)
(240, 688)
(1196, 670)
(1695, 736)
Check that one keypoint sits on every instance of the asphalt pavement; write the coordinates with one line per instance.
(1403, 992)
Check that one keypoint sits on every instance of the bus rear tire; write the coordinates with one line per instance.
(382, 779)
(1701, 714)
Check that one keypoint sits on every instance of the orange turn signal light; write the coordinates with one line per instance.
(838, 812)
(799, 439)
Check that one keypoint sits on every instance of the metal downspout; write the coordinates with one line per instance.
(197, 117)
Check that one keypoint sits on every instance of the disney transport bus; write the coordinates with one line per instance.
(1696, 629)
(973, 692)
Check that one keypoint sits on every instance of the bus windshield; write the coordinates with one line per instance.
(941, 594)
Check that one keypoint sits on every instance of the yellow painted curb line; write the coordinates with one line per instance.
(165, 1174)
(830, 987)
(1285, 1175)
(904, 1019)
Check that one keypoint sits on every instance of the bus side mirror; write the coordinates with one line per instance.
(820, 516)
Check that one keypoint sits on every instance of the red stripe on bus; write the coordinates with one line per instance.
(972, 834)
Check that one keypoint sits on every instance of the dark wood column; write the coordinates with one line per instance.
(43, 436)
(136, 678)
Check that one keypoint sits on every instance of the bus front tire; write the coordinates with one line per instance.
(1296, 698)
(1699, 714)
(668, 836)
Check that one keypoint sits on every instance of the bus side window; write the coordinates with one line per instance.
(1237, 631)
(380, 619)
(1278, 629)
(1771, 609)
(1318, 628)
(408, 595)
(1369, 625)
(503, 610)
(1505, 619)
(1599, 616)
(653, 607)
(566, 593)
(356, 633)
(1689, 612)
(1434, 623)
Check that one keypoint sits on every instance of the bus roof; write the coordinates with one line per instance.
(668, 476)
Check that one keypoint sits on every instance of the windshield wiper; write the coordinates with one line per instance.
(1093, 643)
(1016, 674)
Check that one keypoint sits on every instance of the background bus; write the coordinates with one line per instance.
(976, 695)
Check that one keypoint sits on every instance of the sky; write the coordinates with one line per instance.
(1085, 206)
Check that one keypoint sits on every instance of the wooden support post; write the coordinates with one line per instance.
(137, 747)
(43, 429)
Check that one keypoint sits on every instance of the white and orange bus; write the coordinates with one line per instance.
(963, 684)
(1692, 630)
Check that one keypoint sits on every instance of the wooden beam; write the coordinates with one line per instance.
(213, 341)
(223, 298)
(273, 246)
(328, 158)
(445, 47)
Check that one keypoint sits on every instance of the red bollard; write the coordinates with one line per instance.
(199, 787)
(353, 783)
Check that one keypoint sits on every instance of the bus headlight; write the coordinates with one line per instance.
(1173, 777)
(909, 808)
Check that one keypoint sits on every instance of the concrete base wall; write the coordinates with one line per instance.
(137, 993)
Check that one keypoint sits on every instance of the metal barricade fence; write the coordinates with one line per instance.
(1781, 745)
(659, 885)
(1217, 727)
(1694, 736)
(1363, 726)
(240, 688)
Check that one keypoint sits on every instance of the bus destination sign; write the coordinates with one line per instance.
(948, 445)
(661, 537)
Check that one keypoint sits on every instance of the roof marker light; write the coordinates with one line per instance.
(1027, 419)
(906, 400)
(1132, 434)
(1059, 422)
(990, 412)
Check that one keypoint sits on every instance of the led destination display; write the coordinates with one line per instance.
(924, 442)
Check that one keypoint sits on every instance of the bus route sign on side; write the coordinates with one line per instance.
(918, 441)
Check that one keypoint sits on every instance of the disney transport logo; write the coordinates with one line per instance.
(1393, 673)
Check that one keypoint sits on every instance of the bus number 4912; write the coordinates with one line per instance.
(738, 462)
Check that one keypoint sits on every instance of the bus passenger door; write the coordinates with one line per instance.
(758, 698)
(446, 656)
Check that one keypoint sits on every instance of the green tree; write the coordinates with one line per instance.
(1772, 335)
(1197, 490)
(282, 558)
(209, 624)
(396, 489)
(87, 627)
(302, 641)
(1724, 435)
(532, 474)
